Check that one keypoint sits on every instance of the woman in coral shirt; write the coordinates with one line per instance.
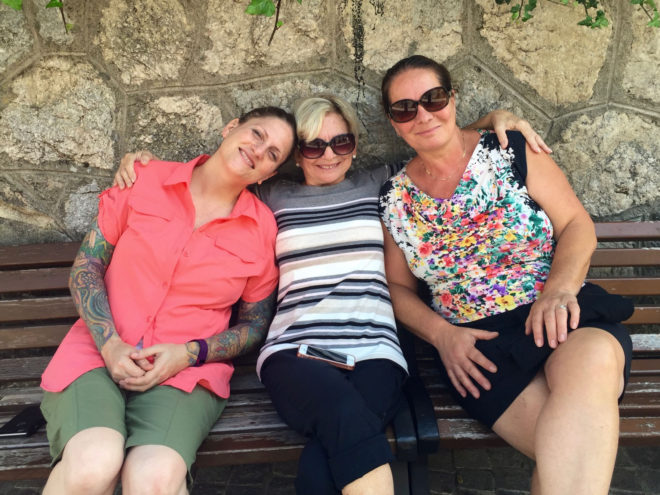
(140, 379)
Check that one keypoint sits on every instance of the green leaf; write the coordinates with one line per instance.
(68, 26)
(14, 4)
(261, 7)
(54, 4)
(279, 24)
(299, 1)
(655, 22)
(587, 21)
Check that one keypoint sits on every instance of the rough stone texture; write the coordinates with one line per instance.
(51, 26)
(81, 208)
(146, 40)
(239, 42)
(15, 39)
(175, 127)
(393, 29)
(643, 61)
(612, 161)
(545, 52)
(479, 93)
(61, 110)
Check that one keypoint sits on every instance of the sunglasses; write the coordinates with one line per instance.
(343, 144)
(434, 100)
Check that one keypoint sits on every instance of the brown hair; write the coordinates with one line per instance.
(413, 62)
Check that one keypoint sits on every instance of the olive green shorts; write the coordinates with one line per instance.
(162, 415)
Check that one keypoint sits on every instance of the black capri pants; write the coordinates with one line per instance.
(342, 412)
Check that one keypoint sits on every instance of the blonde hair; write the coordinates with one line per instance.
(311, 111)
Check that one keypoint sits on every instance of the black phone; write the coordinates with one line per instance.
(24, 424)
(345, 361)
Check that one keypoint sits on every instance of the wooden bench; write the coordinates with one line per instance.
(36, 311)
(627, 262)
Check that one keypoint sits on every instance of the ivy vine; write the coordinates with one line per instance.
(520, 11)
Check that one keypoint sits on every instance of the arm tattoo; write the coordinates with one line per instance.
(88, 287)
(250, 330)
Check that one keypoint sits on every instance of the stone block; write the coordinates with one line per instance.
(611, 160)
(381, 33)
(237, 43)
(174, 127)
(59, 110)
(15, 39)
(541, 52)
(145, 41)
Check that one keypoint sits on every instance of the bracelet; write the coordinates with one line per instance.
(203, 351)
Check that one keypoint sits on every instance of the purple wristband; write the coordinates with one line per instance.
(203, 351)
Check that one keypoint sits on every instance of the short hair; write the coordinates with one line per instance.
(311, 111)
(277, 113)
(413, 62)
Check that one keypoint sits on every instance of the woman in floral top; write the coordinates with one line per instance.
(502, 245)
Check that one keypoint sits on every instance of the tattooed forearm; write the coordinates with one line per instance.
(88, 287)
(249, 331)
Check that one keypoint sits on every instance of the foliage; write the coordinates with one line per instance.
(267, 8)
(52, 4)
(594, 16)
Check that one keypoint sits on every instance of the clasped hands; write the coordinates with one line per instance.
(139, 370)
(553, 312)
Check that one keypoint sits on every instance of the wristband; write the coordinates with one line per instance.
(203, 351)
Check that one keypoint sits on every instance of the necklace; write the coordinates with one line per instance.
(449, 176)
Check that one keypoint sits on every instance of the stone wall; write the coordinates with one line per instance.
(168, 74)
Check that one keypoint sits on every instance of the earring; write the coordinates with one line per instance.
(297, 164)
(354, 156)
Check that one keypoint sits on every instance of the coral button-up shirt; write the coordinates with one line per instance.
(168, 282)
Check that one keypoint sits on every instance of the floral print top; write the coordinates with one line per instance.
(485, 250)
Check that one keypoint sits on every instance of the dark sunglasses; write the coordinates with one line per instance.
(343, 144)
(434, 100)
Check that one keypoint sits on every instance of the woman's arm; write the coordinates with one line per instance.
(502, 120)
(125, 175)
(576, 240)
(455, 345)
(249, 331)
(87, 285)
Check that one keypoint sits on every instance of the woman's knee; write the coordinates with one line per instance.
(153, 469)
(591, 353)
(92, 458)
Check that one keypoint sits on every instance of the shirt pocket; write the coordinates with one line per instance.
(148, 215)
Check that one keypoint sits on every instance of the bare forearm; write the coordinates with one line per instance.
(87, 285)
(572, 256)
(416, 315)
(248, 333)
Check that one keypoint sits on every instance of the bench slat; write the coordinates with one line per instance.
(629, 286)
(32, 337)
(618, 231)
(38, 255)
(626, 257)
(34, 280)
(644, 315)
(46, 308)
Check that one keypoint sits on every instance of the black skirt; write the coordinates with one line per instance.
(517, 357)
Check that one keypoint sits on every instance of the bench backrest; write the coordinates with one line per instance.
(36, 309)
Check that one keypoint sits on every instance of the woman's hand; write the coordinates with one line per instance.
(551, 311)
(503, 120)
(168, 360)
(456, 346)
(117, 356)
(125, 176)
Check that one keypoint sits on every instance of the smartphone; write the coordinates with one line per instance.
(334, 358)
(24, 424)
